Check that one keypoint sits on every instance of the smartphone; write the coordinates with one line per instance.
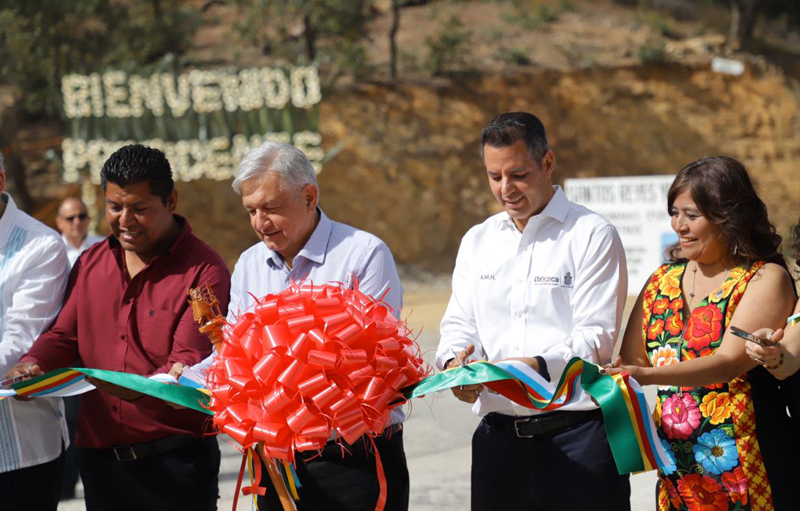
(750, 337)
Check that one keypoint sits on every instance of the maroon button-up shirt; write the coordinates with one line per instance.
(141, 325)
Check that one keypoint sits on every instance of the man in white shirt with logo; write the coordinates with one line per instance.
(299, 242)
(541, 282)
(33, 277)
(73, 222)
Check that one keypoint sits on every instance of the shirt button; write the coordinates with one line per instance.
(122, 337)
(519, 314)
(113, 408)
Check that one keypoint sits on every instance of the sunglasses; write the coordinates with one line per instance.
(81, 217)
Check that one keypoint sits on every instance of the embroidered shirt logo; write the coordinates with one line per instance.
(541, 280)
(568, 279)
(487, 276)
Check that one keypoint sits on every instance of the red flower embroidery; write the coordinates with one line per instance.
(736, 484)
(656, 329)
(674, 325)
(702, 493)
(676, 306)
(674, 496)
(704, 327)
(660, 306)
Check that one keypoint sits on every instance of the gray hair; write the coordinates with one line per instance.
(289, 162)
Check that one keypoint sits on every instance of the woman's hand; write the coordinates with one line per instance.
(767, 356)
(616, 367)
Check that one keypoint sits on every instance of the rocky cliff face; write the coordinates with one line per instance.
(408, 167)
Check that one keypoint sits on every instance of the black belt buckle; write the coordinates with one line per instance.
(529, 425)
(125, 453)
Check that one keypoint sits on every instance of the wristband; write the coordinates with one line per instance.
(777, 365)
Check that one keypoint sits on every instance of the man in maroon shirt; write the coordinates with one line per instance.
(126, 310)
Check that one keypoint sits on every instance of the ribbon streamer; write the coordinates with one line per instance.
(793, 320)
(72, 381)
(629, 426)
(309, 364)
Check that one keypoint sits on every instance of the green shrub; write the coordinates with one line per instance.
(447, 50)
(652, 51)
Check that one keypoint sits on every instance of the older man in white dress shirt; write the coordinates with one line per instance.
(33, 435)
(542, 282)
(300, 243)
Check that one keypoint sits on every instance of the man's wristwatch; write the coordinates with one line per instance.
(542, 367)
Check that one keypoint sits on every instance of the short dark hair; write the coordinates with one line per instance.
(723, 192)
(506, 129)
(136, 163)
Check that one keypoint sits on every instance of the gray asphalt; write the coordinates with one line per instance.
(437, 440)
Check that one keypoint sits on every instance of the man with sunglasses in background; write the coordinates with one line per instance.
(73, 222)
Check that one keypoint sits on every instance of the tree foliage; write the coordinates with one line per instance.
(43, 40)
(309, 21)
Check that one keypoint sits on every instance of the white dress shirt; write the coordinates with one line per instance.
(33, 277)
(335, 252)
(557, 289)
(74, 252)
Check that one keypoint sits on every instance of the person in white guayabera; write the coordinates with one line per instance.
(299, 243)
(33, 434)
(541, 282)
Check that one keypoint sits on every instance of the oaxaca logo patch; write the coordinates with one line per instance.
(542, 280)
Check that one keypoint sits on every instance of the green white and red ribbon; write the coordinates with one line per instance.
(629, 426)
(72, 382)
(793, 320)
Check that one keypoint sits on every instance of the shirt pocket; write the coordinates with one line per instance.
(157, 330)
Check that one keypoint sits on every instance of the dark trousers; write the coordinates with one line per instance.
(71, 407)
(182, 478)
(568, 469)
(335, 481)
(36, 487)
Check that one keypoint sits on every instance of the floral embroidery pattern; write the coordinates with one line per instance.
(704, 324)
(736, 484)
(664, 356)
(680, 416)
(716, 451)
(703, 493)
(716, 406)
(715, 461)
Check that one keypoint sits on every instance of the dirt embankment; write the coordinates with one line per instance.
(408, 168)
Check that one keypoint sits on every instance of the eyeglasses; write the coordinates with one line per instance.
(81, 217)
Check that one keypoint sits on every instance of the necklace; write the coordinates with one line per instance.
(694, 278)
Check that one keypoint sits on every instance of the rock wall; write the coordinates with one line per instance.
(408, 169)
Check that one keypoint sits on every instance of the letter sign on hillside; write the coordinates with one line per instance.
(204, 120)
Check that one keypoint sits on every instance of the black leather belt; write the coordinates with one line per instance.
(536, 425)
(145, 449)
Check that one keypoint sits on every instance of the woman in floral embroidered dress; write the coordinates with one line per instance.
(721, 416)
